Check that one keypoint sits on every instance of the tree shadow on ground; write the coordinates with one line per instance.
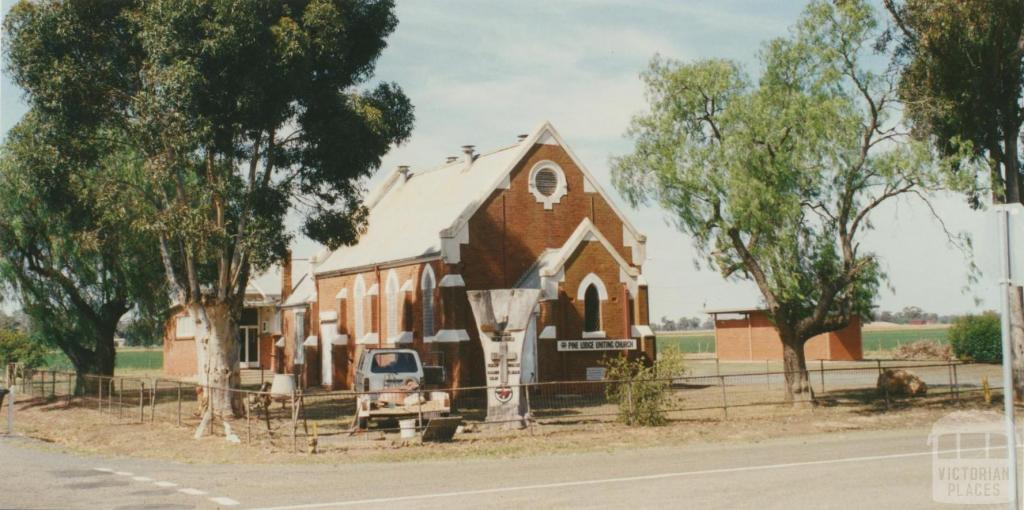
(871, 402)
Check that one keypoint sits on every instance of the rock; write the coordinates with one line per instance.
(900, 382)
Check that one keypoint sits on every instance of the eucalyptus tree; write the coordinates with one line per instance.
(776, 178)
(242, 111)
(962, 65)
(67, 248)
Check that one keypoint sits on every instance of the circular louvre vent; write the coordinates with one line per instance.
(546, 182)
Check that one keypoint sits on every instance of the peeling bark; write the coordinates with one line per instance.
(217, 360)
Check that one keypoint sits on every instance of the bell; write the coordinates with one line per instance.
(283, 385)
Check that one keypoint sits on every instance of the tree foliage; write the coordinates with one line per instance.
(775, 178)
(241, 111)
(18, 347)
(66, 244)
(962, 66)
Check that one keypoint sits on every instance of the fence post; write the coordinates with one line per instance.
(629, 402)
(248, 421)
(70, 388)
(956, 382)
(99, 395)
(419, 412)
(295, 424)
(879, 363)
(10, 410)
(53, 384)
(152, 401)
(725, 403)
(949, 373)
(142, 402)
(179, 403)
(529, 408)
(767, 374)
(821, 370)
(120, 398)
(718, 369)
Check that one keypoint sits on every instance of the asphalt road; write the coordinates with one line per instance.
(839, 470)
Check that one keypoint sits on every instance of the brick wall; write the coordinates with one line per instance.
(449, 313)
(179, 353)
(511, 229)
(757, 339)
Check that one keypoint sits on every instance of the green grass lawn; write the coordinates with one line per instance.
(704, 341)
(688, 343)
(888, 340)
(130, 358)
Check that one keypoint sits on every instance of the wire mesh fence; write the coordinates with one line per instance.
(296, 421)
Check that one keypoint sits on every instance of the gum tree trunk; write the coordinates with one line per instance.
(798, 388)
(217, 360)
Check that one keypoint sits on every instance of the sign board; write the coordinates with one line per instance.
(597, 345)
(595, 373)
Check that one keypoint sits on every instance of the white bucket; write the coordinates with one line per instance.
(408, 428)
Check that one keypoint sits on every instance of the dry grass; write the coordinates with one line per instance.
(86, 430)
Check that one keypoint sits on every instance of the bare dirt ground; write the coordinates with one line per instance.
(86, 430)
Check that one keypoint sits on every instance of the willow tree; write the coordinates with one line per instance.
(962, 79)
(242, 111)
(776, 178)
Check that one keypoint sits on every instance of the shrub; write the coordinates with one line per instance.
(977, 337)
(18, 347)
(642, 392)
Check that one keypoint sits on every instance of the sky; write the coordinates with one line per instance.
(481, 73)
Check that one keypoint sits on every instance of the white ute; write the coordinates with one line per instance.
(393, 383)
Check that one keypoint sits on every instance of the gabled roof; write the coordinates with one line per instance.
(302, 292)
(264, 288)
(410, 217)
(550, 265)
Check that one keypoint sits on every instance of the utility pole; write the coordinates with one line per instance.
(1008, 214)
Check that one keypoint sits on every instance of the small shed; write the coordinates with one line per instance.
(747, 334)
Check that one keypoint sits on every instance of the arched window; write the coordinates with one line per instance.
(427, 284)
(391, 293)
(358, 297)
(592, 291)
(591, 310)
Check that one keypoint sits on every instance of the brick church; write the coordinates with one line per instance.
(528, 215)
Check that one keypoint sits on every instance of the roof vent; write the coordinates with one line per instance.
(450, 159)
(404, 170)
(468, 151)
(522, 137)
